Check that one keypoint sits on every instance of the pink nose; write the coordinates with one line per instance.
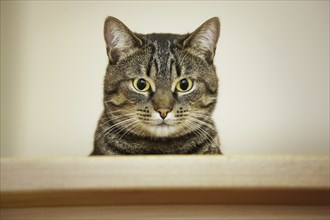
(163, 112)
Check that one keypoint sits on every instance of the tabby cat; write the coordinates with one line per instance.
(159, 92)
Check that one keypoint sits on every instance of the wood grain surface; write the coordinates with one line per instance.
(172, 180)
(177, 212)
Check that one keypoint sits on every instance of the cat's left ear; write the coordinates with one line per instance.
(203, 41)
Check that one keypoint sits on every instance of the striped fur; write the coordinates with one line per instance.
(163, 119)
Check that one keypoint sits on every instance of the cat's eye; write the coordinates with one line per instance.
(141, 85)
(184, 85)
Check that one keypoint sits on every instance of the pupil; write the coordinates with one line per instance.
(184, 84)
(141, 84)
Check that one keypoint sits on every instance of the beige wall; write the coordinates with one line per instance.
(272, 59)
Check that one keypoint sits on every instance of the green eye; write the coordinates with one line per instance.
(184, 85)
(141, 85)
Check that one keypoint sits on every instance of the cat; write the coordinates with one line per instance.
(159, 92)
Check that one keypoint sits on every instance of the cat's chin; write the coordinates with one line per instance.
(162, 130)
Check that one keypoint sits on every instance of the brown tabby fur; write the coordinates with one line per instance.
(162, 120)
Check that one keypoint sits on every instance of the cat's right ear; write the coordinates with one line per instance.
(120, 40)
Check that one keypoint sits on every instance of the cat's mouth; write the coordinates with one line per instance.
(164, 123)
(162, 128)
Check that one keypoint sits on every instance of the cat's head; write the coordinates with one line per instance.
(160, 85)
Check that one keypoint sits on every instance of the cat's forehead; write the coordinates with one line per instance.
(163, 41)
(163, 37)
(163, 63)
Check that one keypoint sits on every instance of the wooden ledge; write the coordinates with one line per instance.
(141, 180)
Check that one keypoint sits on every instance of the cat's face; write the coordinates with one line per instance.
(160, 85)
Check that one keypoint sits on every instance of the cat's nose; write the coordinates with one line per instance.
(163, 112)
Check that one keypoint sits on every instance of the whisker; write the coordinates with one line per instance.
(127, 127)
(199, 132)
(202, 122)
(198, 124)
(106, 131)
(204, 134)
(114, 117)
(130, 129)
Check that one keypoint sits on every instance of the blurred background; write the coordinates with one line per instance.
(272, 61)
